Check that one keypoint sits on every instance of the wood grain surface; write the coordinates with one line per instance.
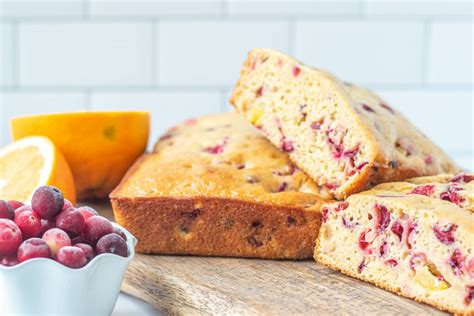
(184, 285)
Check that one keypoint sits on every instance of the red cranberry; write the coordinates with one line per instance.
(47, 225)
(342, 206)
(121, 233)
(15, 204)
(22, 209)
(6, 210)
(427, 190)
(382, 218)
(397, 229)
(335, 139)
(190, 121)
(348, 223)
(470, 267)
(388, 108)
(365, 240)
(87, 211)
(429, 159)
(287, 146)
(361, 266)
(451, 194)
(78, 240)
(72, 257)
(325, 214)
(33, 248)
(218, 149)
(88, 251)
(391, 263)
(67, 205)
(383, 249)
(445, 233)
(417, 260)
(456, 261)
(29, 223)
(469, 295)
(47, 201)
(296, 71)
(282, 187)
(367, 108)
(71, 221)
(9, 261)
(112, 243)
(10, 237)
(56, 239)
(462, 177)
(95, 228)
(259, 92)
(411, 230)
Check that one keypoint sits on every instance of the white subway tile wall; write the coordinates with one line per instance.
(180, 58)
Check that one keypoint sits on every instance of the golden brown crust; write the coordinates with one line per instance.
(218, 227)
(214, 186)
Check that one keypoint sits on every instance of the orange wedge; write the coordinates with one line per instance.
(99, 146)
(30, 163)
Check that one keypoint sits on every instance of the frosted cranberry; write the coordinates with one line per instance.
(47, 225)
(367, 108)
(296, 71)
(469, 295)
(456, 261)
(47, 201)
(428, 159)
(451, 194)
(95, 228)
(15, 204)
(67, 205)
(10, 237)
(287, 146)
(56, 239)
(445, 233)
(382, 218)
(120, 232)
(6, 210)
(365, 240)
(9, 261)
(397, 229)
(88, 251)
(22, 209)
(71, 221)
(424, 190)
(462, 177)
(29, 223)
(417, 260)
(391, 263)
(112, 243)
(78, 240)
(33, 248)
(72, 257)
(87, 211)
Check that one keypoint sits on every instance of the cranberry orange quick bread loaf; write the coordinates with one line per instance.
(343, 136)
(215, 186)
(405, 241)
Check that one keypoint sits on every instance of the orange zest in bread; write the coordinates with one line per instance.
(214, 186)
(414, 244)
(99, 146)
(343, 136)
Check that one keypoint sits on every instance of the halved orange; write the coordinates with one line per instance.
(30, 163)
(99, 146)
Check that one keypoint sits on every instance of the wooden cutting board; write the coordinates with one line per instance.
(184, 285)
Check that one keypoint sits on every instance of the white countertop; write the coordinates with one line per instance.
(130, 306)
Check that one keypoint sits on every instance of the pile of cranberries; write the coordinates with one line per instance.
(53, 228)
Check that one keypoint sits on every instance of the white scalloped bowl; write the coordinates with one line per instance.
(45, 287)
